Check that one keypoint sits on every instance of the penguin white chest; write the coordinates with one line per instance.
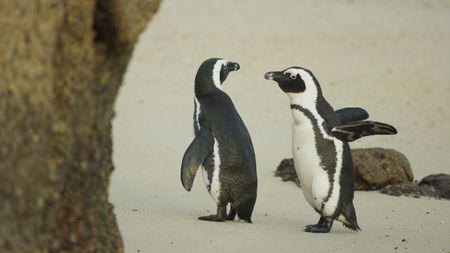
(319, 191)
(313, 179)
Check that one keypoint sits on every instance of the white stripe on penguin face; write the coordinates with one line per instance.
(216, 72)
(307, 98)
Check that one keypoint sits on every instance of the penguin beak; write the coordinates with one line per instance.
(274, 75)
(233, 66)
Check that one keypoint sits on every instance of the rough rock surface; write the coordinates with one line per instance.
(61, 65)
(374, 168)
(434, 186)
(411, 189)
(286, 171)
(440, 182)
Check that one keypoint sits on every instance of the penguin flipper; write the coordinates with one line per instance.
(351, 114)
(355, 130)
(200, 148)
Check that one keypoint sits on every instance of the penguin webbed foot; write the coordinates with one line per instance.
(221, 215)
(213, 217)
(323, 226)
(317, 228)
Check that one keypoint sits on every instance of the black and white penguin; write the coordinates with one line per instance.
(322, 156)
(222, 146)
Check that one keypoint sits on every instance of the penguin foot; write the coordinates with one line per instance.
(220, 217)
(317, 228)
(212, 218)
(323, 226)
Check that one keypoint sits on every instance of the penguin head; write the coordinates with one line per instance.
(298, 83)
(212, 73)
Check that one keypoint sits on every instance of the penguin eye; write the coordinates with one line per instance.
(225, 66)
(292, 76)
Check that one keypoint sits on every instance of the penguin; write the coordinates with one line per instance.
(222, 146)
(322, 156)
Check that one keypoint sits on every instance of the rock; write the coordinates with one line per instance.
(286, 171)
(374, 168)
(61, 65)
(440, 182)
(433, 186)
(411, 189)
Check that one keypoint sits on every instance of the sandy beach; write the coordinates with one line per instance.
(390, 57)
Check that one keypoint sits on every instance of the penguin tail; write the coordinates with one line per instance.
(349, 220)
(353, 227)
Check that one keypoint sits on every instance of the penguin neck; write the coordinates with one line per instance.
(306, 101)
(299, 114)
(303, 101)
(205, 86)
(302, 104)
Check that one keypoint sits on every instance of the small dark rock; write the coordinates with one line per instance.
(440, 182)
(433, 186)
(412, 189)
(286, 171)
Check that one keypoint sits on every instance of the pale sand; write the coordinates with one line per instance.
(391, 58)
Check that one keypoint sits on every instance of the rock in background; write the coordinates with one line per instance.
(434, 186)
(286, 171)
(61, 65)
(374, 168)
(386, 170)
(440, 182)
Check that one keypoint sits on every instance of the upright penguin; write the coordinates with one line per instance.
(322, 156)
(222, 146)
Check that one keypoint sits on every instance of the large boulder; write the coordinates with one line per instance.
(61, 66)
(374, 168)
